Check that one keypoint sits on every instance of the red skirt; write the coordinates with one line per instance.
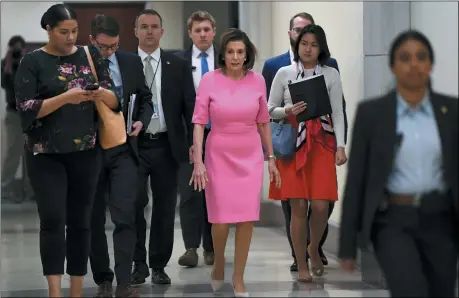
(316, 180)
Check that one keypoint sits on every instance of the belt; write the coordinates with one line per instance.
(409, 199)
(156, 136)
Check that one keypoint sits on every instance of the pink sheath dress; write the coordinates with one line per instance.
(234, 156)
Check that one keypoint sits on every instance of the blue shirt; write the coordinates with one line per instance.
(116, 75)
(417, 165)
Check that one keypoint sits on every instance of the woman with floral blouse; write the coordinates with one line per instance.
(59, 120)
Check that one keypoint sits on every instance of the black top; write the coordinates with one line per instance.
(42, 76)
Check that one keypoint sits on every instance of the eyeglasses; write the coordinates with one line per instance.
(296, 30)
(104, 47)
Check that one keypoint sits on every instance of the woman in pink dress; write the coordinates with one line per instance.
(233, 100)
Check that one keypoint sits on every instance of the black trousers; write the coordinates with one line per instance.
(117, 186)
(287, 210)
(417, 248)
(157, 162)
(193, 210)
(64, 187)
(193, 213)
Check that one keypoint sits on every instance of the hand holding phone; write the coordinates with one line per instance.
(76, 96)
(92, 87)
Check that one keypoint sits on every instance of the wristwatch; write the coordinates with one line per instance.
(272, 157)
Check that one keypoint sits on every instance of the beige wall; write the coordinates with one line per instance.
(439, 21)
(172, 14)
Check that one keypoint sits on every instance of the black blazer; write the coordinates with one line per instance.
(186, 54)
(177, 97)
(133, 79)
(374, 141)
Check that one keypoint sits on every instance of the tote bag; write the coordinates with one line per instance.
(284, 138)
(112, 127)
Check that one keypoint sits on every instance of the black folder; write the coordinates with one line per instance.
(313, 91)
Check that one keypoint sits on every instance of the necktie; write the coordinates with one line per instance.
(116, 78)
(204, 69)
(204, 64)
(153, 127)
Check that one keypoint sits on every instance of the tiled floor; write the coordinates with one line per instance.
(267, 273)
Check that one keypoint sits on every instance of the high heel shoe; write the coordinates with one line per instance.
(317, 270)
(306, 279)
(240, 294)
(216, 284)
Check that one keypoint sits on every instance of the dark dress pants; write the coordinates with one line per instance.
(118, 187)
(417, 248)
(157, 162)
(193, 211)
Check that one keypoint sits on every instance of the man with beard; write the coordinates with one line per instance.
(270, 68)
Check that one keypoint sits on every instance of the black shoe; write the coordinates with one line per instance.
(126, 291)
(189, 259)
(324, 260)
(294, 267)
(209, 258)
(323, 257)
(140, 274)
(159, 277)
(104, 290)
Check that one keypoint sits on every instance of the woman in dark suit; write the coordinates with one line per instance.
(402, 192)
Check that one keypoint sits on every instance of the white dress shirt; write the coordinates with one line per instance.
(154, 63)
(196, 62)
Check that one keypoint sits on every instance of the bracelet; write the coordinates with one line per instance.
(272, 157)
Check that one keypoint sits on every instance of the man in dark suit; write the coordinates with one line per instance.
(401, 191)
(163, 146)
(270, 68)
(201, 58)
(118, 177)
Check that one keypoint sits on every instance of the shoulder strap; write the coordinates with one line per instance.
(91, 63)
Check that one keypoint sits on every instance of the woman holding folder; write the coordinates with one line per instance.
(309, 176)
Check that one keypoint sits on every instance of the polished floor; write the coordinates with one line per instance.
(267, 273)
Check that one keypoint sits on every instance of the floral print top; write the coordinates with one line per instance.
(40, 76)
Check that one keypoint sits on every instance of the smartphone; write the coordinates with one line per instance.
(91, 87)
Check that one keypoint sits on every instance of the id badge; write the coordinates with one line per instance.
(155, 111)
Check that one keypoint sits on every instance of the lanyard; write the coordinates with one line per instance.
(154, 74)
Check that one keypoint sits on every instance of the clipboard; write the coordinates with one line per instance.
(313, 91)
(130, 112)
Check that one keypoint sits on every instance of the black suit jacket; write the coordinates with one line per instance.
(133, 79)
(374, 141)
(177, 97)
(187, 55)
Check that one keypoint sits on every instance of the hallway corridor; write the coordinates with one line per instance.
(267, 272)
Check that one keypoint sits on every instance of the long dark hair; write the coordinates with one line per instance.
(324, 54)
